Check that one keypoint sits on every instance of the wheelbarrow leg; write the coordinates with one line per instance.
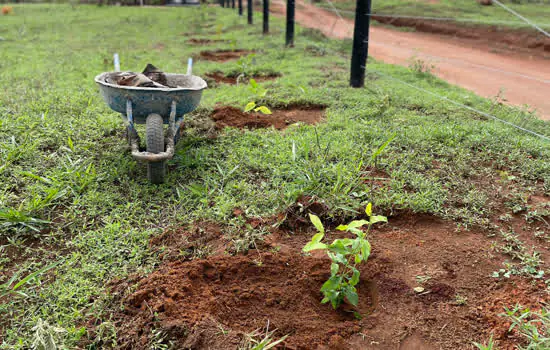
(131, 132)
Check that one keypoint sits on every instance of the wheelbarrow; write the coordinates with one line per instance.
(153, 107)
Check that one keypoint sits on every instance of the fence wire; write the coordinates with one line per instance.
(522, 18)
(443, 98)
(446, 59)
(431, 93)
(442, 19)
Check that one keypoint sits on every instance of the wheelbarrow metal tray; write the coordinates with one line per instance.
(147, 100)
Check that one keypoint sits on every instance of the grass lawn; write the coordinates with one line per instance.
(71, 194)
(466, 12)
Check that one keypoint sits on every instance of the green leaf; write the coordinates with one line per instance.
(338, 258)
(249, 106)
(342, 228)
(263, 109)
(365, 249)
(368, 209)
(314, 246)
(338, 247)
(381, 148)
(357, 223)
(35, 274)
(331, 284)
(334, 269)
(70, 143)
(317, 237)
(355, 277)
(347, 241)
(352, 296)
(378, 218)
(317, 223)
(253, 83)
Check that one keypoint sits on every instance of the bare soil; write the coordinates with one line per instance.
(223, 55)
(213, 302)
(279, 119)
(204, 41)
(220, 78)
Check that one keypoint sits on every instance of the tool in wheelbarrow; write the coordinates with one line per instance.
(153, 106)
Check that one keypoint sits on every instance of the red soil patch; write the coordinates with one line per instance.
(223, 55)
(250, 293)
(203, 41)
(219, 77)
(212, 303)
(231, 116)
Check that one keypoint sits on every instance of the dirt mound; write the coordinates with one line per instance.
(240, 294)
(213, 303)
(280, 119)
(223, 55)
(204, 41)
(219, 77)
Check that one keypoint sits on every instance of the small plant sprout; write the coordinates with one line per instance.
(489, 346)
(251, 106)
(346, 254)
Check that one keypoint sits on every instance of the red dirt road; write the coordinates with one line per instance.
(523, 79)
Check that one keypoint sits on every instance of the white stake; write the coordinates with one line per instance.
(117, 62)
(190, 66)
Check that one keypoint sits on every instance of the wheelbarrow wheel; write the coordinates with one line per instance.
(155, 144)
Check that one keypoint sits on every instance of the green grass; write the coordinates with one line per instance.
(466, 12)
(71, 193)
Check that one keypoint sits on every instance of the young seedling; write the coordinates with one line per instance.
(346, 254)
(251, 106)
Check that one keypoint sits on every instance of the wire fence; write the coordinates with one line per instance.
(440, 58)
(433, 94)
(441, 19)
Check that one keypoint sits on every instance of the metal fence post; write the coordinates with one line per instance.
(360, 43)
(240, 7)
(290, 5)
(249, 3)
(266, 16)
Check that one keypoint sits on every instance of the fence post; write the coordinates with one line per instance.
(240, 7)
(249, 3)
(360, 43)
(290, 5)
(266, 16)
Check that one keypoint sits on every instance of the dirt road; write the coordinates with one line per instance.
(519, 78)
